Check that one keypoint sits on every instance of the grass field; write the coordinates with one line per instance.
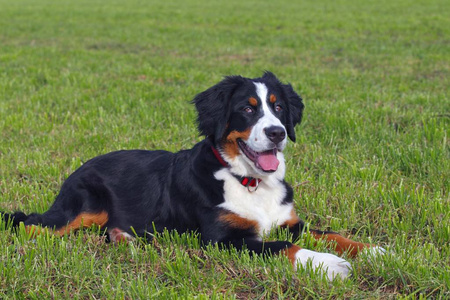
(372, 159)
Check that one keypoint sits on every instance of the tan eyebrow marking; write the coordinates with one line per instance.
(253, 101)
(272, 98)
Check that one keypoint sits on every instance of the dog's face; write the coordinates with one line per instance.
(250, 120)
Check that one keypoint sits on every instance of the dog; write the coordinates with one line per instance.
(229, 187)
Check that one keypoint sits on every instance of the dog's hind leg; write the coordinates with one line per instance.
(83, 220)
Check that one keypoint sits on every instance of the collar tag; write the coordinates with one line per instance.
(253, 185)
(250, 183)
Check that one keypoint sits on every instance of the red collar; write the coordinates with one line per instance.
(219, 157)
(245, 181)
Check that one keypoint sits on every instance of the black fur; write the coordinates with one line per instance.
(14, 219)
(213, 106)
(146, 190)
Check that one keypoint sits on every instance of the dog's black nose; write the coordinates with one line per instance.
(275, 133)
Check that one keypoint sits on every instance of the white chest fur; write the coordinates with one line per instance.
(263, 205)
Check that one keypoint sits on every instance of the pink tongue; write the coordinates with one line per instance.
(268, 161)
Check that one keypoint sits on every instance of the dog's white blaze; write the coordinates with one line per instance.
(258, 140)
(263, 205)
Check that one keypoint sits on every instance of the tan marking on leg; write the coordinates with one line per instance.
(272, 98)
(292, 221)
(35, 230)
(290, 253)
(341, 244)
(253, 101)
(230, 146)
(236, 221)
(84, 220)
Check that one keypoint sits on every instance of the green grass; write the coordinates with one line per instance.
(372, 159)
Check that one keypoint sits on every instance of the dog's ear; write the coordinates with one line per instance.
(213, 107)
(295, 110)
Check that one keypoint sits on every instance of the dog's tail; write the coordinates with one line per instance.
(14, 219)
(56, 219)
(52, 218)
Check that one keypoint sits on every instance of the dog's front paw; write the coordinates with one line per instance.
(332, 265)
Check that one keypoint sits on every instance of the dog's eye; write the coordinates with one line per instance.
(248, 110)
(278, 108)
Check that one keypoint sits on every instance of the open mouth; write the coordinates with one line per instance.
(266, 161)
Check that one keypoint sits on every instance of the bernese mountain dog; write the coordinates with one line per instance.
(229, 187)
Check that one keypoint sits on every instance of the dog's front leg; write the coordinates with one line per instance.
(335, 241)
(231, 230)
(332, 265)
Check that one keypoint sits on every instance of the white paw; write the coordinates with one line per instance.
(332, 265)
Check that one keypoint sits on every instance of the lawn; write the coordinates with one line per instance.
(372, 158)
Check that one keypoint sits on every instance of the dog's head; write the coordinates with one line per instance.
(249, 119)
